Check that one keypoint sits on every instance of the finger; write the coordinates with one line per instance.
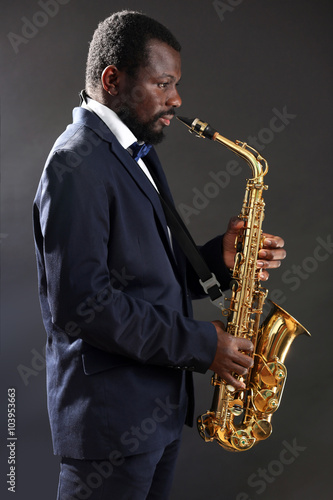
(235, 224)
(263, 275)
(271, 241)
(236, 221)
(239, 370)
(277, 254)
(229, 379)
(218, 324)
(242, 362)
(268, 264)
(243, 344)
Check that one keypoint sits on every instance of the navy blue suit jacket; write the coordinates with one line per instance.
(115, 299)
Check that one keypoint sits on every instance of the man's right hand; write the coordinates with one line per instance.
(228, 357)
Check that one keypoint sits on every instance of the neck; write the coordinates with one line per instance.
(101, 96)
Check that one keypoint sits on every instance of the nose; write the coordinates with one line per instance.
(174, 99)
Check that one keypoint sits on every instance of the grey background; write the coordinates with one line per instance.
(237, 68)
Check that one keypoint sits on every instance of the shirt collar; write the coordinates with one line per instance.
(124, 135)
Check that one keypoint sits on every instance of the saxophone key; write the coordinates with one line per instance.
(262, 429)
(236, 407)
(242, 440)
(272, 373)
(266, 401)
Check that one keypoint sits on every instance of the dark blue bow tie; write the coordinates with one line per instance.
(139, 150)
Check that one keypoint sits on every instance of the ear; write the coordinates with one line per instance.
(110, 80)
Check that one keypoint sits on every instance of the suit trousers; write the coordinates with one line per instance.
(146, 476)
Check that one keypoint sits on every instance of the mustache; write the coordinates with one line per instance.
(170, 112)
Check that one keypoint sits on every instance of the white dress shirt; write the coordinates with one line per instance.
(124, 135)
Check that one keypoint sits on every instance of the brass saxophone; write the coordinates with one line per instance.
(238, 419)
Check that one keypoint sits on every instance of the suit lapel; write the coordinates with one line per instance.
(145, 186)
(153, 163)
(92, 121)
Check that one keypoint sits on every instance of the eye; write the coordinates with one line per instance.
(163, 85)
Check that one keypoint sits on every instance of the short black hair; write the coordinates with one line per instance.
(121, 40)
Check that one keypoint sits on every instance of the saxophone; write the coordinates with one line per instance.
(238, 419)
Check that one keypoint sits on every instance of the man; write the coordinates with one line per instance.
(115, 288)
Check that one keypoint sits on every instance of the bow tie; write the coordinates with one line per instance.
(139, 150)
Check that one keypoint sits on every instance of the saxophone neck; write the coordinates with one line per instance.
(257, 163)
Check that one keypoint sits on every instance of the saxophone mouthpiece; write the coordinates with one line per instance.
(187, 121)
(198, 127)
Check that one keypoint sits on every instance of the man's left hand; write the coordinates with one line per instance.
(269, 257)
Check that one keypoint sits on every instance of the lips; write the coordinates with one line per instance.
(165, 119)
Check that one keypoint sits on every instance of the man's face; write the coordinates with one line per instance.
(148, 100)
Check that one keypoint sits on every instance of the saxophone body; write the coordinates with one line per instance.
(238, 419)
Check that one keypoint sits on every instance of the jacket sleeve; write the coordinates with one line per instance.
(72, 230)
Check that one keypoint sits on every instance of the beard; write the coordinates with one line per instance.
(142, 131)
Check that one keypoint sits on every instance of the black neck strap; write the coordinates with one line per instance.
(180, 232)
